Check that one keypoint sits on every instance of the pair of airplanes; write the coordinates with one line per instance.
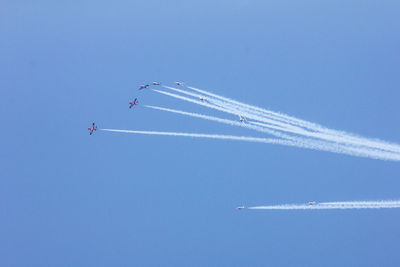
(144, 86)
(94, 127)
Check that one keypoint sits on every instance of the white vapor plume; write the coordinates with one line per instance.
(325, 145)
(343, 136)
(334, 205)
(234, 109)
(253, 139)
(210, 136)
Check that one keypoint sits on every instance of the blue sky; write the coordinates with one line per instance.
(70, 199)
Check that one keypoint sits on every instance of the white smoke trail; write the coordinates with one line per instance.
(274, 115)
(334, 205)
(339, 140)
(225, 121)
(342, 139)
(228, 108)
(234, 109)
(218, 136)
(210, 136)
(301, 142)
(346, 137)
(218, 108)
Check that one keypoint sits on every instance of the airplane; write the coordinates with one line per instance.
(203, 99)
(156, 83)
(134, 102)
(312, 203)
(179, 83)
(240, 207)
(242, 119)
(143, 86)
(93, 128)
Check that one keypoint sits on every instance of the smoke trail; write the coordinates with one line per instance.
(234, 109)
(210, 136)
(334, 205)
(301, 142)
(225, 121)
(349, 138)
(218, 108)
(272, 132)
(336, 139)
(317, 131)
(258, 140)
(276, 115)
(343, 139)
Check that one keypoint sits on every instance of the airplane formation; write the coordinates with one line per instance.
(213, 101)
(136, 102)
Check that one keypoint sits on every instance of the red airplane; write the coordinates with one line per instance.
(179, 83)
(93, 128)
(144, 86)
(312, 203)
(134, 102)
(156, 83)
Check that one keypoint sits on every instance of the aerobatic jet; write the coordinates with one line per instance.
(240, 207)
(203, 99)
(312, 203)
(179, 83)
(144, 86)
(242, 119)
(156, 83)
(133, 103)
(93, 128)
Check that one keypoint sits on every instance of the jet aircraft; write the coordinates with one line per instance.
(93, 128)
(133, 103)
(144, 86)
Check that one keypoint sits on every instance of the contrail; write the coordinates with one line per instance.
(349, 138)
(276, 115)
(225, 121)
(337, 139)
(334, 205)
(218, 108)
(226, 107)
(343, 139)
(301, 142)
(255, 139)
(210, 136)
(318, 131)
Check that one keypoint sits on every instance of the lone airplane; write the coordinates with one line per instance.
(242, 119)
(93, 128)
(133, 103)
(312, 203)
(240, 207)
(179, 83)
(155, 83)
(144, 86)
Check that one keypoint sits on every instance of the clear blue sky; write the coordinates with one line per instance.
(70, 199)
